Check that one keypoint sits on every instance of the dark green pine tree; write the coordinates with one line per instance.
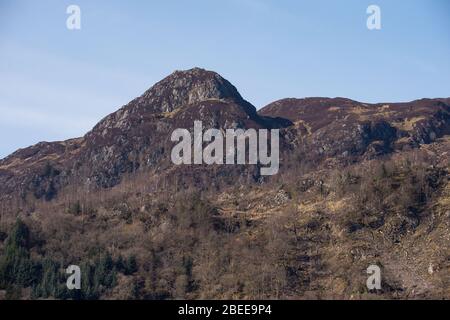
(16, 267)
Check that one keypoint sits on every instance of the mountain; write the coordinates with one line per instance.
(135, 137)
(358, 184)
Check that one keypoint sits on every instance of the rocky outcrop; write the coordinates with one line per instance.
(348, 129)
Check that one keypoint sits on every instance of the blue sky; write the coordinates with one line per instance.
(56, 83)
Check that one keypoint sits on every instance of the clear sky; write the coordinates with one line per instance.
(56, 83)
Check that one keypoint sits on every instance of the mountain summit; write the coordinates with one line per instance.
(187, 87)
(188, 91)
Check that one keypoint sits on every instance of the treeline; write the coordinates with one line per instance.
(47, 278)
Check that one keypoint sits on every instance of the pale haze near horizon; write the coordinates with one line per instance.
(56, 84)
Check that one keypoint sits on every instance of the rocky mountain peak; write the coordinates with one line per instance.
(183, 88)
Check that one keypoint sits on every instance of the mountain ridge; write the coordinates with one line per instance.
(136, 136)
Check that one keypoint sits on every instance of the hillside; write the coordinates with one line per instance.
(358, 184)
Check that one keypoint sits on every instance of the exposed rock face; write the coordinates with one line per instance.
(421, 120)
(188, 87)
(345, 128)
